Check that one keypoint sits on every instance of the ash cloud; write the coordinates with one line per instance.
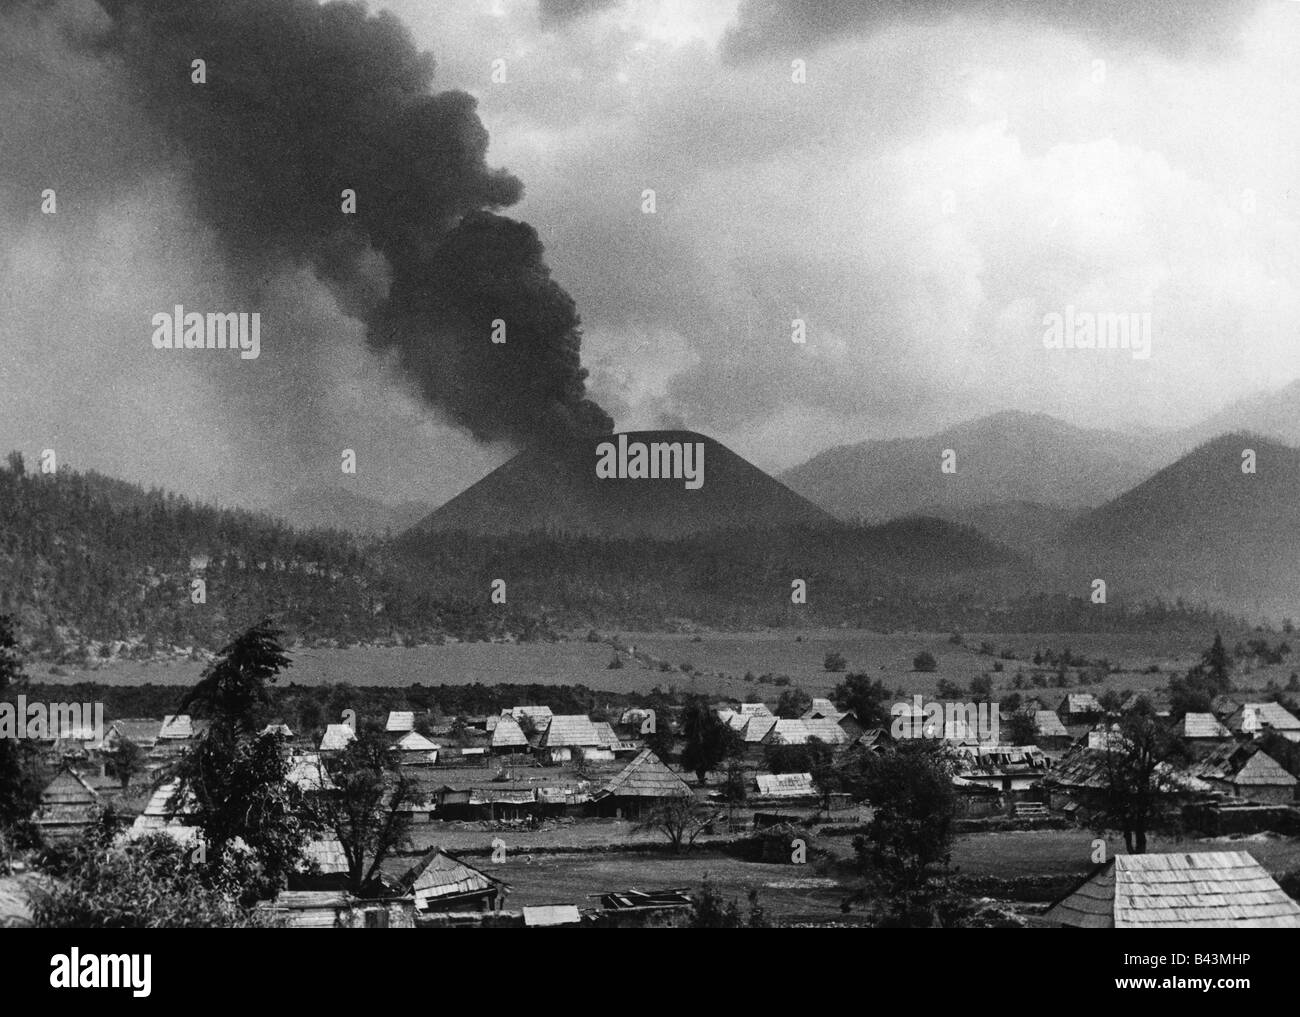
(304, 100)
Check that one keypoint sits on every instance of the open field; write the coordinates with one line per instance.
(719, 662)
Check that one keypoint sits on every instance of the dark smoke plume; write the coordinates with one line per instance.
(304, 100)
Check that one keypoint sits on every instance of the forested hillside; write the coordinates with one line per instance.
(91, 567)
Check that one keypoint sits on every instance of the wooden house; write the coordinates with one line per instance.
(1204, 890)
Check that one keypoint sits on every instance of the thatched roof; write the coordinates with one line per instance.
(646, 776)
(1211, 889)
(755, 710)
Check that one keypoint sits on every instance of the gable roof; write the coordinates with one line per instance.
(68, 788)
(177, 726)
(400, 721)
(1211, 889)
(508, 734)
(791, 732)
(1261, 769)
(306, 771)
(1080, 702)
(755, 710)
(1048, 725)
(605, 734)
(570, 729)
(1204, 725)
(439, 874)
(825, 728)
(540, 715)
(1253, 717)
(756, 727)
(646, 776)
(785, 785)
(823, 708)
(141, 730)
(413, 741)
(337, 737)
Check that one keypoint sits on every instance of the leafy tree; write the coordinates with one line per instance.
(1021, 729)
(19, 790)
(238, 782)
(981, 688)
(925, 662)
(710, 910)
(835, 661)
(911, 832)
(127, 760)
(1136, 766)
(367, 812)
(681, 820)
(793, 703)
(866, 699)
(708, 740)
(151, 883)
(234, 686)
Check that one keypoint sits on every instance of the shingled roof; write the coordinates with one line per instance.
(1204, 725)
(1048, 725)
(400, 721)
(646, 776)
(570, 729)
(1211, 889)
(508, 734)
(438, 874)
(337, 737)
(1253, 718)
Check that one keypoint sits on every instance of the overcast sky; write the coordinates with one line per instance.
(939, 183)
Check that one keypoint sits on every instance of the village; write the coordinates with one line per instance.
(490, 801)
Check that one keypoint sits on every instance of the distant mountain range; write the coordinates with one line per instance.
(1011, 457)
(333, 508)
(1015, 458)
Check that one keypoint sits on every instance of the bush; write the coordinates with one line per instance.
(835, 662)
(924, 661)
(615, 663)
